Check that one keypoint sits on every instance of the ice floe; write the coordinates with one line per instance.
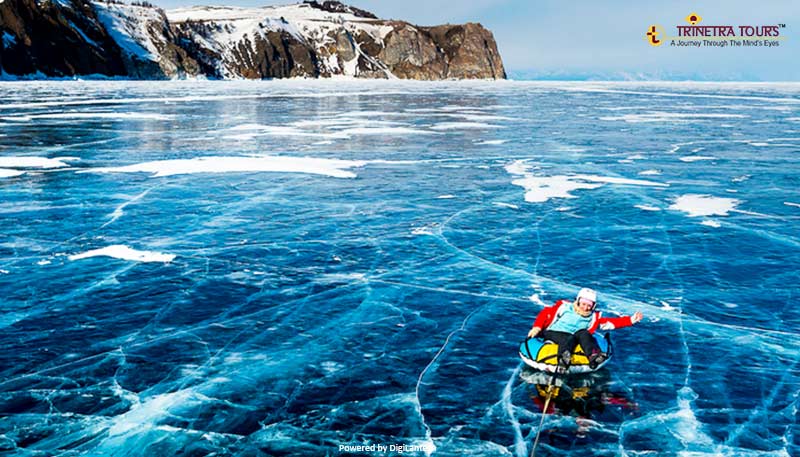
(796, 205)
(697, 205)
(221, 164)
(490, 142)
(123, 252)
(647, 207)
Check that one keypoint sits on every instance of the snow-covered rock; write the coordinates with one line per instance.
(149, 48)
(309, 39)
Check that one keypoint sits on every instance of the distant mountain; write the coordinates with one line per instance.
(67, 38)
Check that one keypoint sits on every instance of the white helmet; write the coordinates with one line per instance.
(588, 294)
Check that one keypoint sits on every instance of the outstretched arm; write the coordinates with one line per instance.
(611, 323)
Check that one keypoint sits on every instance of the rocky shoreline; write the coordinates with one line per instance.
(72, 38)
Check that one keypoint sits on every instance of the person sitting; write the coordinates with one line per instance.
(571, 323)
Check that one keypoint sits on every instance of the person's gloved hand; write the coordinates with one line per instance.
(637, 316)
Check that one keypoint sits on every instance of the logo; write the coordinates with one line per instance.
(693, 18)
(719, 36)
(653, 33)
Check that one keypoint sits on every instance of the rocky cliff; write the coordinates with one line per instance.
(311, 39)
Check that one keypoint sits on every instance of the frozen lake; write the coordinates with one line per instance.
(287, 267)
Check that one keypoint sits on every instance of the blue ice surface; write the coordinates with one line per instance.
(303, 311)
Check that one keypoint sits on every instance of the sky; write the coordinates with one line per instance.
(550, 39)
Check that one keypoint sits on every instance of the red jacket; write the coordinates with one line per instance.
(548, 315)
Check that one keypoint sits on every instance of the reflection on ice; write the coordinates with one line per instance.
(88, 115)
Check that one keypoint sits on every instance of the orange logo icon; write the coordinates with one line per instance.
(652, 35)
(693, 18)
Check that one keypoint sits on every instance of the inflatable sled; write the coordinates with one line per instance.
(543, 355)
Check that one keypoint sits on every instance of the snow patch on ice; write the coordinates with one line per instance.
(696, 205)
(696, 158)
(123, 252)
(220, 164)
(539, 189)
(34, 162)
(518, 167)
(650, 173)
(6, 173)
